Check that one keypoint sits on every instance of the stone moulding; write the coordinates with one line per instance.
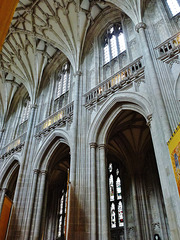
(169, 49)
(134, 72)
(58, 119)
(14, 146)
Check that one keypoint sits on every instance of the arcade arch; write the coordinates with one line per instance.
(122, 140)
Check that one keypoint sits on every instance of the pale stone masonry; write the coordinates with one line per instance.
(55, 165)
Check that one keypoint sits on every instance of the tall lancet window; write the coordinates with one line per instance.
(115, 202)
(62, 210)
(174, 6)
(63, 80)
(25, 110)
(113, 42)
(62, 214)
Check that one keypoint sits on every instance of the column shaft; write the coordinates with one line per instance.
(3, 192)
(40, 206)
(31, 204)
(93, 190)
(104, 194)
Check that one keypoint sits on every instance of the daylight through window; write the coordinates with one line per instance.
(174, 6)
(115, 199)
(114, 42)
(63, 80)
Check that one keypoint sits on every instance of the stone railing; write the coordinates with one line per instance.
(58, 118)
(120, 80)
(169, 49)
(15, 146)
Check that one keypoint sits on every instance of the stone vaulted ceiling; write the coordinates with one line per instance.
(40, 30)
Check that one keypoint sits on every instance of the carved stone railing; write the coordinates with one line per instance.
(15, 146)
(57, 119)
(119, 81)
(169, 49)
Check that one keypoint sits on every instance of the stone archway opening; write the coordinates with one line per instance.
(136, 206)
(57, 194)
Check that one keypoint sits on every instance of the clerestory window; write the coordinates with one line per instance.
(63, 80)
(25, 110)
(113, 42)
(115, 202)
(174, 6)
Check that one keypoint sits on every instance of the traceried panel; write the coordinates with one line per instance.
(116, 200)
(62, 214)
(63, 80)
(25, 110)
(113, 42)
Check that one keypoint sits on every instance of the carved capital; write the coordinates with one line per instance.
(33, 105)
(102, 146)
(139, 26)
(93, 145)
(2, 130)
(78, 73)
(44, 172)
(36, 171)
(4, 190)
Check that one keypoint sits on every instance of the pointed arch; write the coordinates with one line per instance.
(124, 101)
(51, 142)
(8, 171)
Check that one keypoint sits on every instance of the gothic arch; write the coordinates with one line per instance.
(8, 170)
(52, 142)
(126, 101)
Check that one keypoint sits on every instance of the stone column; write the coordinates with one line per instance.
(105, 231)
(40, 206)
(25, 150)
(3, 192)
(72, 209)
(93, 190)
(135, 209)
(161, 133)
(31, 204)
(153, 81)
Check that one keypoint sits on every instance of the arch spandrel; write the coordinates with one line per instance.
(124, 101)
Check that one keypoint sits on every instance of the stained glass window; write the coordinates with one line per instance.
(113, 42)
(174, 6)
(62, 214)
(113, 216)
(63, 80)
(116, 200)
(111, 188)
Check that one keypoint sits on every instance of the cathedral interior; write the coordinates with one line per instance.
(89, 99)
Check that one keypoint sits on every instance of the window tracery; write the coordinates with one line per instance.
(25, 110)
(115, 199)
(113, 42)
(62, 214)
(63, 80)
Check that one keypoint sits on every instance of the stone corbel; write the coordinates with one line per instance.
(139, 26)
